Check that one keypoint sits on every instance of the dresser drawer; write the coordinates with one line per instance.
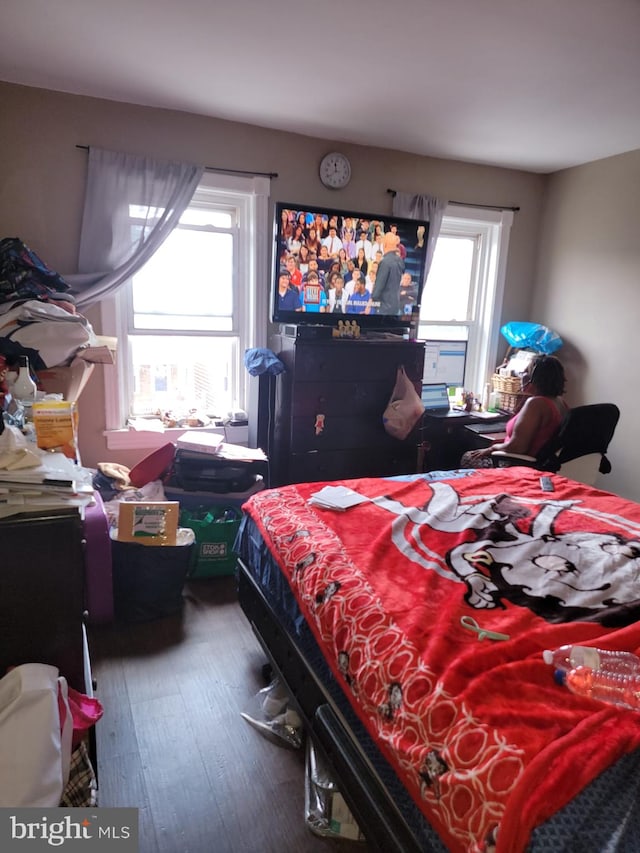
(345, 361)
(350, 464)
(346, 398)
(339, 432)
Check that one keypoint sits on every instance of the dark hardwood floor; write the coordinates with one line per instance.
(172, 741)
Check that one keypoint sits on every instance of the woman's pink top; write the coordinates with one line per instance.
(546, 433)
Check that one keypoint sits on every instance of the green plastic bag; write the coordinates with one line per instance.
(215, 529)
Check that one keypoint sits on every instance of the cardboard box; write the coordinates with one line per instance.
(70, 381)
(148, 523)
(103, 351)
(56, 426)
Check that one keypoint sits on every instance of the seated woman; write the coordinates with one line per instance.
(538, 418)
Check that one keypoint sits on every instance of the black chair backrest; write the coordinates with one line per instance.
(586, 429)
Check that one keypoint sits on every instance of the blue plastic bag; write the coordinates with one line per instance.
(531, 336)
(261, 360)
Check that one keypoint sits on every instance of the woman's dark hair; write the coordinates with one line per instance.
(547, 374)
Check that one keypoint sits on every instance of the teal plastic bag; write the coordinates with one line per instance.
(531, 336)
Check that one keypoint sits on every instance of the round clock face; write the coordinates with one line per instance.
(335, 170)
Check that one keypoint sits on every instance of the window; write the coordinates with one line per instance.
(184, 321)
(462, 297)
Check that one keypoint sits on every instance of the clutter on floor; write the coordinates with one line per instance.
(185, 497)
(272, 712)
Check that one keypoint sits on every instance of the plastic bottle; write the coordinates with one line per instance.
(610, 687)
(24, 388)
(569, 657)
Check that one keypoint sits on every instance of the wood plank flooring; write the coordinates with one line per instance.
(172, 741)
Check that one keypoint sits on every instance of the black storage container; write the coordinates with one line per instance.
(148, 580)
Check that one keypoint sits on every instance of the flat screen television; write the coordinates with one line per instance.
(312, 243)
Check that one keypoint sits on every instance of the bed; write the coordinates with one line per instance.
(410, 629)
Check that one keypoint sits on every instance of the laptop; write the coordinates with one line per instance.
(436, 402)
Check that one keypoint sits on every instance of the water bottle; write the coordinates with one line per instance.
(494, 401)
(569, 657)
(611, 687)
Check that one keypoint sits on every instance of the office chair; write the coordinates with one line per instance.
(578, 450)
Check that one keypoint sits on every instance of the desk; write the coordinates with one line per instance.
(445, 438)
(489, 433)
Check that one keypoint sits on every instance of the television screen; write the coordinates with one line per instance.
(326, 264)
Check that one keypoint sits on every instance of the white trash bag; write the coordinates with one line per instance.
(36, 729)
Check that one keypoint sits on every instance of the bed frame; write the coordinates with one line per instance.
(384, 828)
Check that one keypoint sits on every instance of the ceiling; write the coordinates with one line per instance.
(539, 85)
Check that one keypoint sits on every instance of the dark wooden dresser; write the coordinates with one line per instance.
(326, 422)
(42, 594)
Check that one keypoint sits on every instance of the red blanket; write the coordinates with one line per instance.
(486, 742)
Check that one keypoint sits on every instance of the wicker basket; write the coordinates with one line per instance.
(510, 390)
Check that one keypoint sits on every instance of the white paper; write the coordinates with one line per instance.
(336, 498)
(239, 453)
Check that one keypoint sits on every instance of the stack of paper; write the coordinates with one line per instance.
(337, 498)
(213, 444)
(200, 442)
(239, 453)
(52, 481)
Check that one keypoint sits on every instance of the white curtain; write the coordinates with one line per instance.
(427, 208)
(111, 251)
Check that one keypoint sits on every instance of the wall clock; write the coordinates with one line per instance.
(335, 170)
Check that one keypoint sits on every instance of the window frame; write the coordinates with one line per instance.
(492, 229)
(251, 301)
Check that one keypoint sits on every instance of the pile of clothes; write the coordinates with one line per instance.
(38, 316)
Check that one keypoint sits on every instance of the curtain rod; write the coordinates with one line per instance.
(219, 169)
(469, 204)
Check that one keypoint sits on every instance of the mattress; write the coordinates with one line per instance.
(599, 814)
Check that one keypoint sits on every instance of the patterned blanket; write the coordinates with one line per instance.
(433, 602)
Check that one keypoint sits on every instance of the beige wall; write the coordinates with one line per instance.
(588, 290)
(43, 173)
